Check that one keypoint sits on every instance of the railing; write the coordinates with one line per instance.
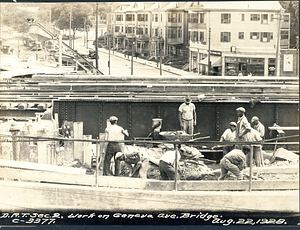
(23, 148)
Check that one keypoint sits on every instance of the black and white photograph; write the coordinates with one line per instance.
(140, 114)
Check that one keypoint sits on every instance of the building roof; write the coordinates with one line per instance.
(236, 5)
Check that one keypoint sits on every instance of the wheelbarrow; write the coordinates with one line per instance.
(177, 135)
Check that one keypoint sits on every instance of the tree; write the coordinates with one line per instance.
(79, 13)
(15, 16)
(292, 7)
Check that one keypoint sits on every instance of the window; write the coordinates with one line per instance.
(119, 17)
(156, 17)
(201, 17)
(179, 33)
(225, 18)
(201, 36)
(172, 17)
(242, 17)
(139, 31)
(264, 19)
(146, 30)
(161, 18)
(284, 34)
(241, 35)
(192, 18)
(254, 35)
(179, 17)
(225, 36)
(272, 18)
(265, 36)
(129, 17)
(286, 18)
(172, 33)
(156, 32)
(254, 17)
(129, 30)
(194, 37)
(189, 35)
(117, 29)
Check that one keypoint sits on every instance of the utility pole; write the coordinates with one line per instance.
(209, 31)
(160, 59)
(97, 64)
(70, 27)
(133, 43)
(84, 28)
(277, 60)
(108, 54)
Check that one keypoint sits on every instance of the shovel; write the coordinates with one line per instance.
(274, 155)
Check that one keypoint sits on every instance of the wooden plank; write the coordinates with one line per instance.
(229, 185)
(65, 178)
(41, 167)
(270, 170)
(284, 128)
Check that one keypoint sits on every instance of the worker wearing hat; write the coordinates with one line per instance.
(113, 134)
(234, 162)
(258, 126)
(187, 115)
(229, 135)
(243, 126)
(138, 160)
(167, 163)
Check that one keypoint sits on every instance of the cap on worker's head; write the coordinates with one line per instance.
(246, 148)
(255, 118)
(187, 99)
(118, 155)
(233, 124)
(113, 118)
(241, 109)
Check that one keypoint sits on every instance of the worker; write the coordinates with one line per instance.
(254, 136)
(229, 135)
(235, 162)
(167, 163)
(137, 159)
(187, 115)
(243, 126)
(113, 134)
(258, 126)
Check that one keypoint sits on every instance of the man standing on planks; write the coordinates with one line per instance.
(243, 126)
(258, 126)
(187, 115)
(113, 134)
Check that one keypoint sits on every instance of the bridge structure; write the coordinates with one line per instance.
(137, 100)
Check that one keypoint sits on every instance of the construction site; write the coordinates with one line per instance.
(53, 129)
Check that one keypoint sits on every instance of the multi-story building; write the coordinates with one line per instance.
(236, 37)
(232, 38)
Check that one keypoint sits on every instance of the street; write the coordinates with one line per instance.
(119, 65)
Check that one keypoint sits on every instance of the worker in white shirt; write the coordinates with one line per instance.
(229, 135)
(167, 163)
(113, 134)
(258, 126)
(187, 115)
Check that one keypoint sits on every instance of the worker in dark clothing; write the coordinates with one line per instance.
(235, 162)
(113, 134)
(139, 161)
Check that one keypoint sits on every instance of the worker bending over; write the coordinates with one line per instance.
(167, 163)
(235, 162)
(139, 161)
